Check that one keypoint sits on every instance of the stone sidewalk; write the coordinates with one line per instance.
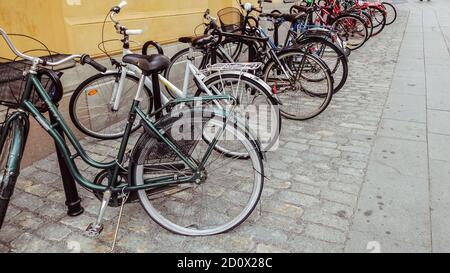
(369, 172)
(404, 203)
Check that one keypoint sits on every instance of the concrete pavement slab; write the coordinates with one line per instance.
(438, 122)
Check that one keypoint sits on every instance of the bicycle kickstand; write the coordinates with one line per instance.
(94, 229)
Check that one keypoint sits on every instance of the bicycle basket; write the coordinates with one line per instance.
(231, 19)
(13, 80)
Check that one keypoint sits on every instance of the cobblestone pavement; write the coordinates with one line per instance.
(309, 201)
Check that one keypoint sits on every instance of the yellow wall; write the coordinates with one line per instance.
(74, 26)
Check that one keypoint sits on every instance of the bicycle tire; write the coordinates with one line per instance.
(170, 72)
(256, 90)
(10, 157)
(343, 61)
(378, 23)
(353, 17)
(164, 204)
(91, 82)
(326, 74)
(369, 22)
(394, 11)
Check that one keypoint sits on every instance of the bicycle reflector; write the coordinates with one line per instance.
(92, 92)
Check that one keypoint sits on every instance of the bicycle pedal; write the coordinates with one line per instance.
(93, 230)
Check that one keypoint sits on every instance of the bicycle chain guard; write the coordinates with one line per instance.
(115, 200)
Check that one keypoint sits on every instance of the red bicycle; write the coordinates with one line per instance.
(375, 10)
(350, 27)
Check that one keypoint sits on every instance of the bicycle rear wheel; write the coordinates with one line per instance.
(303, 84)
(175, 73)
(91, 105)
(331, 54)
(228, 189)
(378, 18)
(351, 29)
(13, 139)
(391, 13)
(255, 105)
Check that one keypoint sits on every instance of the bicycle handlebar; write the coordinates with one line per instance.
(120, 28)
(84, 59)
(122, 4)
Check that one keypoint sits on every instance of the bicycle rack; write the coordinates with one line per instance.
(73, 200)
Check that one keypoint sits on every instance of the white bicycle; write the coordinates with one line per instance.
(99, 106)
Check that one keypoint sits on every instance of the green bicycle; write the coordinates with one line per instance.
(181, 167)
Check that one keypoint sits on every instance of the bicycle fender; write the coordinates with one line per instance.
(266, 87)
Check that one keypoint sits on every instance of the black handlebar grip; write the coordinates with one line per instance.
(86, 59)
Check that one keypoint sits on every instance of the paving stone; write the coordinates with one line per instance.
(27, 201)
(28, 243)
(76, 243)
(264, 248)
(340, 210)
(54, 232)
(339, 197)
(80, 222)
(326, 219)
(28, 220)
(9, 232)
(281, 208)
(325, 144)
(52, 210)
(309, 245)
(345, 187)
(11, 212)
(326, 151)
(305, 188)
(39, 190)
(325, 234)
(296, 146)
(298, 199)
(3, 248)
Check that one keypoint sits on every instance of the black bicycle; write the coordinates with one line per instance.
(298, 79)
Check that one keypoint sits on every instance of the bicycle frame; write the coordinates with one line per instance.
(115, 166)
(135, 71)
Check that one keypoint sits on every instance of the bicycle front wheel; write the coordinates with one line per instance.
(227, 189)
(351, 29)
(331, 54)
(391, 13)
(12, 143)
(92, 105)
(303, 84)
(176, 71)
(379, 19)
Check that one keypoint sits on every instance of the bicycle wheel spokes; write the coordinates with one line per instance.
(94, 106)
(253, 107)
(177, 69)
(351, 30)
(223, 194)
(309, 90)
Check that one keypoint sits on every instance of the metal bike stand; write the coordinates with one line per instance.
(73, 200)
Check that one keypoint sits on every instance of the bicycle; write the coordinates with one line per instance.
(297, 78)
(98, 106)
(375, 10)
(177, 168)
(316, 40)
(350, 27)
